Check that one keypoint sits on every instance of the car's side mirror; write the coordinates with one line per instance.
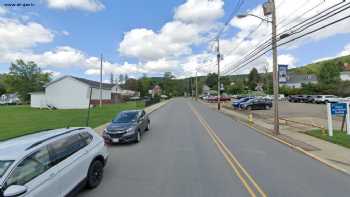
(15, 190)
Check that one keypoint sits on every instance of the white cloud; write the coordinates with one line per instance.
(64, 56)
(200, 11)
(193, 20)
(17, 35)
(172, 40)
(53, 73)
(65, 33)
(3, 11)
(88, 5)
(346, 51)
(161, 65)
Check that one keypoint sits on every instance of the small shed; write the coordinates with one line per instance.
(37, 99)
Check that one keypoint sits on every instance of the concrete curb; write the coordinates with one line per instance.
(265, 132)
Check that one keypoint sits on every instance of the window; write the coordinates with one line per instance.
(86, 137)
(63, 148)
(126, 117)
(30, 168)
(4, 165)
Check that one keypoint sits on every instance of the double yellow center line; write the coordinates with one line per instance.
(247, 180)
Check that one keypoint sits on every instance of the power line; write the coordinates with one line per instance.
(266, 44)
(291, 40)
(227, 22)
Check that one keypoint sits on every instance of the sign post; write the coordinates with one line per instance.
(330, 125)
(338, 109)
(282, 73)
(347, 119)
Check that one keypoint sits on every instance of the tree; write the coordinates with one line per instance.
(126, 77)
(131, 84)
(212, 80)
(237, 88)
(253, 79)
(168, 85)
(144, 84)
(2, 84)
(121, 79)
(329, 74)
(112, 78)
(26, 77)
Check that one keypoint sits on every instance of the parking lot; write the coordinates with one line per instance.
(300, 112)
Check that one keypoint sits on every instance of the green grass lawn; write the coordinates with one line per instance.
(340, 138)
(20, 120)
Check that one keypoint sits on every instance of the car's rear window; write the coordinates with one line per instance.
(4, 165)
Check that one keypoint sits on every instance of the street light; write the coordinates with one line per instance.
(269, 8)
(246, 15)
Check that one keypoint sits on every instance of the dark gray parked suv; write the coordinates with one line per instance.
(128, 126)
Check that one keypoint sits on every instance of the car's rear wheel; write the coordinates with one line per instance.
(267, 107)
(249, 108)
(95, 174)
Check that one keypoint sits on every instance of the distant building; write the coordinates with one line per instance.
(156, 90)
(345, 76)
(296, 80)
(9, 99)
(206, 90)
(70, 92)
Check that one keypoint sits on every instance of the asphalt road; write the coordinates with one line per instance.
(193, 151)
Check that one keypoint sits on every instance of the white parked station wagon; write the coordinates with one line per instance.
(51, 163)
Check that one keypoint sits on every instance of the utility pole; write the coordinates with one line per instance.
(101, 82)
(270, 9)
(274, 68)
(218, 58)
(196, 85)
(191, 90)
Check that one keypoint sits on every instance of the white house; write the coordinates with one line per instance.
(70, 92)
(345, 76)
(296, 80)
(9, 99)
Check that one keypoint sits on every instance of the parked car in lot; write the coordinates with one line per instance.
(310, 99)
(346, 100)
(326, 99)
(298, 98)
(212, 99)
(51, 163)
(255, 104)
(128, 126)
(236, 104)
(225, 98)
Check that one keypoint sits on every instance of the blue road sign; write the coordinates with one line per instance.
(338, 109)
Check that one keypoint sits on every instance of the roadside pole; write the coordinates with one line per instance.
(88, 114)
(219, 86)
(196, 85)
(275, 73)
(330, 124)
(101, 82)
(347, 119)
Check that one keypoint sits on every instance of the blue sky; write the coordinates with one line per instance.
(142, 36)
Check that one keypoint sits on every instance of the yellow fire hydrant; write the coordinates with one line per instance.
(250, 119)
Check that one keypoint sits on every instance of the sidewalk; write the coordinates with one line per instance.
(333, 154)
(148, 110)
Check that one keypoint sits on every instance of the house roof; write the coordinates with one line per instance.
(95, 84)
(297, 78)
(90, 83)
